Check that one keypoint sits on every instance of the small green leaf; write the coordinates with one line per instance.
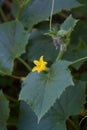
(69, 23)
(4, 111)
(13, 40)
(40, 91)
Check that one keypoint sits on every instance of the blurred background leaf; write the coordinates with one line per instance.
(38, 10)
(13, 40)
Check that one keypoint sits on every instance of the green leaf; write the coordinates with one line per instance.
(41, 44)
(4, 111)
(69, 23)
(13, 40)
(28, 120)
(40, 91)
(38, 10)
(74, 97)
(70, 103)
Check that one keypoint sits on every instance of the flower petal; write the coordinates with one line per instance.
(41, 59)
(36, 62)
(34, 69)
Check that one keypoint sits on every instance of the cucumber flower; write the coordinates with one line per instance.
(40, 65)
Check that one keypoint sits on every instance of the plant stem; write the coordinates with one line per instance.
(76, 61)
(25, 64)
(73, 124)
(12, 76)
(19, 12)
(15, 77)
(60, 55)
(21, 7)
(51, 15)
(26, 2)
(3, 15)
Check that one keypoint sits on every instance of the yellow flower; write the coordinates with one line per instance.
(40, 65)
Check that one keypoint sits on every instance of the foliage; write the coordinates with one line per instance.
(52, 35)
